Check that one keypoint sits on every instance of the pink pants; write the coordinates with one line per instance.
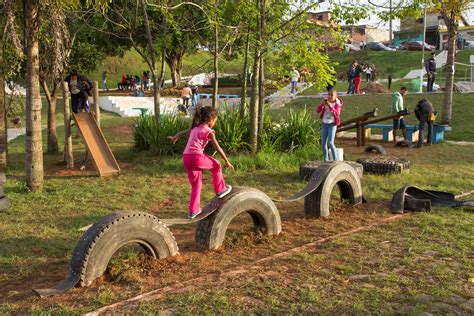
(195, 164)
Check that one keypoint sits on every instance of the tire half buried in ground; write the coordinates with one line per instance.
(210, 232)
(103, 239)
(346, 178)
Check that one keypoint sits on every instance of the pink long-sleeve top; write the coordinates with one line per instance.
(335, 110)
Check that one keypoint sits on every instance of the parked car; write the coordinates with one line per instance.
(417, 45)
(377, 46)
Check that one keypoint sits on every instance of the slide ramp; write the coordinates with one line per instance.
(102, 157)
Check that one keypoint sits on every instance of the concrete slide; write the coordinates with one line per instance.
(102, 156)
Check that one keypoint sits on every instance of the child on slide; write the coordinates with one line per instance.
(194, 159)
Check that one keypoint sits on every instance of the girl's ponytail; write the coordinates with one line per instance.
(197, 117)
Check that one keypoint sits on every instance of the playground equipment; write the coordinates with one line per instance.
(357, 124)
(102, 157)
(360, 123)
(99, 243)
(415, 199)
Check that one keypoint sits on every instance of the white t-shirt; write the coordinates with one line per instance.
(328, 117)
(368, 70)
(295, 75)
(74, 88)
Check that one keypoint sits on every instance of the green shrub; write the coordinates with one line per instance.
(297, 132)
(147, 136)
(232, 130)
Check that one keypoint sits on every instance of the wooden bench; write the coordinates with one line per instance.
(412, 131)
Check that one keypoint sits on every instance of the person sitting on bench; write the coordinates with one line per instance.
(397, 106)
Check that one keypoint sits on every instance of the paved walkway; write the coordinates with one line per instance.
(13, 133)
(283, 96)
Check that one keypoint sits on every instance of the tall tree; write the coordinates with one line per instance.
(11, 55)
(33, 139)
(451, 11)
(54, 52)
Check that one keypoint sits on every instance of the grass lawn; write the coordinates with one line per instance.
(132, 63)
(462, 115)
(420, 263)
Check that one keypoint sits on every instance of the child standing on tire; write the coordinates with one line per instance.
(195, 160)
(329, 110)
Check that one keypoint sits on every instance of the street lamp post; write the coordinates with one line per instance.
(423, 51)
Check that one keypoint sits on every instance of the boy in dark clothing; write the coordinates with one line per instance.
(430, 67)
(426, 114)
(79, 87)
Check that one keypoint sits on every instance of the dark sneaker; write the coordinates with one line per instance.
(193, 215)
(419, 145)
(225, 192)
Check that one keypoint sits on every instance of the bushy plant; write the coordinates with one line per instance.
(297, 132)
(148, 136)
(232, 129)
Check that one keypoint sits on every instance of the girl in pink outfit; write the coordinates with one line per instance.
(195, 160)
(329, 111)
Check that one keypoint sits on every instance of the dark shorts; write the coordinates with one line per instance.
(399, 124)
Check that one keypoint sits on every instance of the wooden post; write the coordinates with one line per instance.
(358, 134)
(96, 102)
(68, 157)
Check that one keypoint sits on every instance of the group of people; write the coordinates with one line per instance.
(129, 82)
(424, 112)
(354, 75)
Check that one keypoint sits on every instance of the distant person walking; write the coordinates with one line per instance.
(368, 73)
(195, 97)
(373, 72)
(357, 77)
(397, 106)
(329, 111)
(104, 81)
(295, 75)
(430, 67)
(350, 78)
(186, 94)
(426, 114)
(78, 86)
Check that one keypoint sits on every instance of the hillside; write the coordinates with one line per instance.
(402, 61)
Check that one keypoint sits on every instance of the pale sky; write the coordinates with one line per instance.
(374, 20)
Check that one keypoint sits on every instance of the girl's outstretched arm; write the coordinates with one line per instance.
(174, 138)
(214, 142)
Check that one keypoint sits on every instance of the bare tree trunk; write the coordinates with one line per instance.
(253, 128)
(216, 66)
(68, 154)
(3, 117)
(451, 58)
(261, 77)
(175, 63)
(243, 97)
(33, 140)
(156, 88)
(53, 146)
(96, 102)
